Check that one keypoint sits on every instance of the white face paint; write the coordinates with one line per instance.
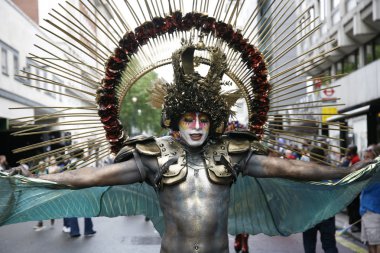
(194, 128)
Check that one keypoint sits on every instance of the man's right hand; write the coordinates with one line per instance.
(20, 170)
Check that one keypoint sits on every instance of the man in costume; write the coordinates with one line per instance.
(193, 172)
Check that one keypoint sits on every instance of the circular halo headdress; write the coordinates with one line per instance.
(103, 33)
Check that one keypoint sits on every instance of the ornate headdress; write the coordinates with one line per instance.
(160, 28)
(191, 92)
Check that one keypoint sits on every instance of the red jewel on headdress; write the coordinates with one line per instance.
(248, 50)
(107, 111)
(241, 45)
(112, 124)
(224, 31)
(106, 99)
(188, 21)
(236, 40)
(108, 83)
(114, 136)
(121, 55)
(115, 148)
(144, 32)
(208, 24)
(177, 19)
(159, 24)
(255, 60)
(129, 43)
(198, 20)
(107, 120)
(113, 73)
(115, 64)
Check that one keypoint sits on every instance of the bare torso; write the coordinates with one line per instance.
(196, 212)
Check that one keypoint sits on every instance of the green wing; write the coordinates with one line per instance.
(257, 205)
(276, 206)
(26, 199)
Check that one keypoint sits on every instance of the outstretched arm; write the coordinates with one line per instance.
(115, 174)
(264, 166)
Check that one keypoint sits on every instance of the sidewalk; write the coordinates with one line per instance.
(341, 222)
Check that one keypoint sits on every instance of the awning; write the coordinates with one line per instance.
(349, 114)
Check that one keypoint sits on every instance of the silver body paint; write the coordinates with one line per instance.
(195, 212)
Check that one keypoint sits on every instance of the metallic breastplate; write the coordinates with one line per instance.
(217, 173)
(169, 149)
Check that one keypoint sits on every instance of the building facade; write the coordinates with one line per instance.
(49, 87)
(354, 27)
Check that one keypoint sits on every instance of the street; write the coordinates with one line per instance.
(132, 234)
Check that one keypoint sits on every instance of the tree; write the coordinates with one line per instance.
(136, 114)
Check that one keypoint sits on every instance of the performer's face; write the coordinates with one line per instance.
(194, 128)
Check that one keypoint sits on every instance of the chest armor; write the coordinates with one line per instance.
(212, 154)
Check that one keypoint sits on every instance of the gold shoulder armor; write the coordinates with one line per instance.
(236, 146)
(124, 154)
(149, 148)
(259, 148)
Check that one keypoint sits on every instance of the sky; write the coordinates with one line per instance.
(44, 7)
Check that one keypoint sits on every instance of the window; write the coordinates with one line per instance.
(350, 63)
(326, 81)
(45, 85)
(350, 5)
(376, 45)
(312, 17)
(336, 17)
(27, 70)
(338, 68)
(322, 9)
(372, 50)
(335, 4)
(335, 11)
(369, 53)
(37, 78)
(62, 91)
(16, 65)
(4, 61)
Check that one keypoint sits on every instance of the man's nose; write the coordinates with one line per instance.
(197, 125)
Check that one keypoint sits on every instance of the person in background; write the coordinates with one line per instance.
(296, 152)
(72, 225)
(62, 164)
(3, 163)
(346, 160)
(289, 155)
(42, 169)
(305, 155)
(326, 228)
(370, 208)
(241, 243)
(353, 207)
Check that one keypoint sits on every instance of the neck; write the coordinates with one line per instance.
(192, 149)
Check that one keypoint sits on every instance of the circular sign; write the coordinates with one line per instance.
(329, 92)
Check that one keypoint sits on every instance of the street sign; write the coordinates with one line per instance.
(329, 111)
